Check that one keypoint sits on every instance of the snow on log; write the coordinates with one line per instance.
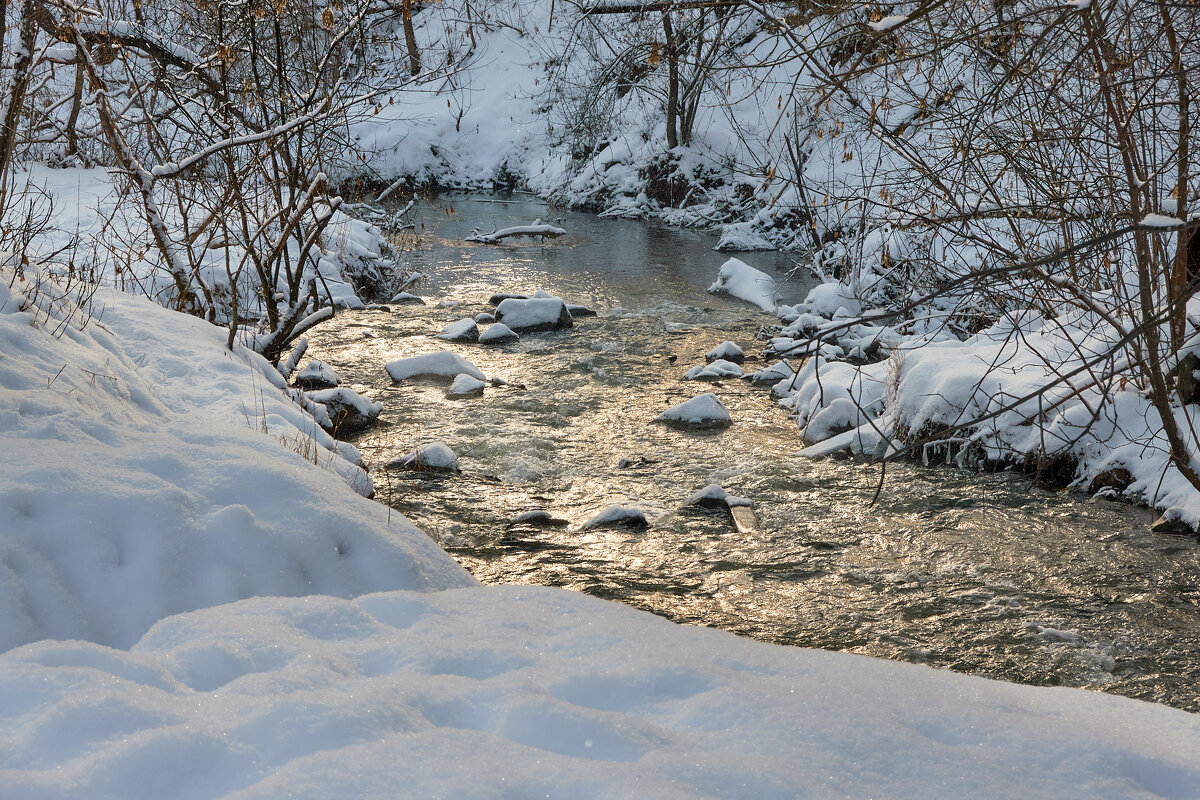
(538, 228)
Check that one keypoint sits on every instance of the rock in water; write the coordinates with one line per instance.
(711, 496)
(466, 386)
(704, 411)
(442, 365)
(716, 371)
(498, 333)
(580, 311)
(726, 351)
(485, 318)
(534, 314)
(463, 330)
(500, 297)
(404, 298)
(436, 457)
(537, 519)
(317, 375)
(348, 410)
(617, 516)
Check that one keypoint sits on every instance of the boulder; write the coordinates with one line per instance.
(578, 311)
(702, 412)
(716, 371)
(463, 330)
(500, 297)
(317, 375)
(466, 386)
(617, 517)
(534, 314)
(726, 351)
(404, 298)
(442, 365)
(498, 333)
(348, 410)
(537, 519)
(435, 457)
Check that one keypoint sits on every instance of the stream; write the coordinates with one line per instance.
(978, 573)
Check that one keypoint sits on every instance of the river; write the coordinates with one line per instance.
(978, 573)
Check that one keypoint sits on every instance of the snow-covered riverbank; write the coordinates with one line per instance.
(151, 479)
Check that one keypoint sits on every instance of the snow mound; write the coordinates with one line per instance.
(440, 365)
(348, 410)
(526, 691)
(726, 351)
(702, 411)
(717, 370)
(435, 457)
(739, 279)
(618, 516)
(463, 330)
(406, 298)
(145, 470)
(317, 375)
(742, 237)
(534, 314)
(498, 333)
(466, 385)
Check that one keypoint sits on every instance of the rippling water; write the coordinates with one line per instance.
(977, 573)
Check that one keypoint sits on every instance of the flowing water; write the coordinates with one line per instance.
(978, 573)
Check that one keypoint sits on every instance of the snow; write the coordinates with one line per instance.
(463, 330)
(726, 351)
(145, 471)
(717, 370)
(403, 298)
(617, 516)
(534, 314)
(498, 333)
(317, 375)
(739, 279)
(436, 457)
(530, 692)
(537, 228)
(742, 237)
(888, 22)
(348, 410)
(703, 411)
(440, 365)
(193, 608)
(1160, 221)
(467, 385)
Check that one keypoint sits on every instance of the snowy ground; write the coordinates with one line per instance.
(196, 604)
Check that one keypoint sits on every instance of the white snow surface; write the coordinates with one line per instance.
(739, 279)
(461, 330)
(716, 370)
(145, 470)
(465, 384)
(442, 364)
(498, 332)
(725, 351)
(705, 410)
(434, 456)
(513, 692)
(617, 515)
(149, 477)
(533, 312)
(318, 372)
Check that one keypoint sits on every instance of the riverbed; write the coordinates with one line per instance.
(978, 573)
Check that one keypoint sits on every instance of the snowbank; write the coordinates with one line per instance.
(145, 470)
(533, 692)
